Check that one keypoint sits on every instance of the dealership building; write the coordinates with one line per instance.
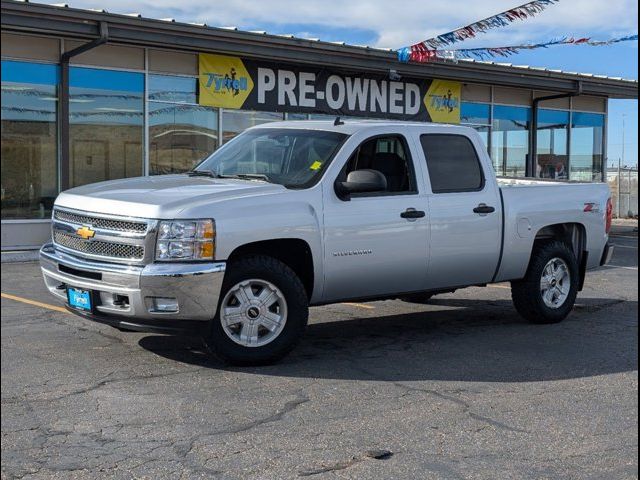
(91, 95)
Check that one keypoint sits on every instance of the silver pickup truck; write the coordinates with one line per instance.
(294, 214)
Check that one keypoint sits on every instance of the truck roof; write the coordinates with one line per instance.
(351, 125)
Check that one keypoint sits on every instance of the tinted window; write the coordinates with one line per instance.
(452, 162)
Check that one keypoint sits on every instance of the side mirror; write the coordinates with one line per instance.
(361, 181)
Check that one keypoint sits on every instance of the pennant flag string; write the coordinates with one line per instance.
(502, 19)
(419, 53)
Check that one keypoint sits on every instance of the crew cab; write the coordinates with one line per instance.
(295, 214)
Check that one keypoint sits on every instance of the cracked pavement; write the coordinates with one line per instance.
(461, 388)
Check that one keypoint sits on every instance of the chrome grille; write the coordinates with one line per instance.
(100, 222)
(99, 248)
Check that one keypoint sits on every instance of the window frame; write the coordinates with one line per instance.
(483, 179)
(413, 181)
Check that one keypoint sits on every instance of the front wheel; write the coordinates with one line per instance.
(548, 291)
(262, 314)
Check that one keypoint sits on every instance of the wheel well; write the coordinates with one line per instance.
(293, 252)
(573, 234)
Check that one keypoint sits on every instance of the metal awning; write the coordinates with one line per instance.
(62, 21)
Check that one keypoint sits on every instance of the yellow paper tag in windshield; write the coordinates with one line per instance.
(315, 165)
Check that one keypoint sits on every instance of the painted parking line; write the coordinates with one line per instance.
(359, 305)
(499, 286)
(617, 245)
(58, 308)
(624, 236)
(48, 306)
(620, 266)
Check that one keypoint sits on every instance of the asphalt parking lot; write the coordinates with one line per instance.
(461, 388)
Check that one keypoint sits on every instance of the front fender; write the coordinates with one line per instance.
(290, 215)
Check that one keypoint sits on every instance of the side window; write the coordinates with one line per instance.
(452, 162)
(390, 157)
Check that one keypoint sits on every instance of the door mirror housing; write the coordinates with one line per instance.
(361, 181)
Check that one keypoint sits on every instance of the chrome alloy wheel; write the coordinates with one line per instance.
(555, 283)
(253, 313)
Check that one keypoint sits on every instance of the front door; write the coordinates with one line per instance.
(372, 246)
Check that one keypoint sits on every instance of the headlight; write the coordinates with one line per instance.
(186, 240)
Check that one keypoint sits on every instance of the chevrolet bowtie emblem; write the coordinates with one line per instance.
(85, 232)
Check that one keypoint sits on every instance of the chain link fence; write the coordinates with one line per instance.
(623, 183)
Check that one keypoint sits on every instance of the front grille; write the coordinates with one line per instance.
(101, 223)
(99, 248)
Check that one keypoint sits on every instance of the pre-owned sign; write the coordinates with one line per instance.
(231, 82)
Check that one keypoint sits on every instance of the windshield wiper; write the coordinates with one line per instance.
(248, 176)
(202, 173)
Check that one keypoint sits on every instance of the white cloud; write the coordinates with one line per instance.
(396, 23)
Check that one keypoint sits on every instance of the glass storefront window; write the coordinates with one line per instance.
(29, 139)
(587, 145)
(237, 121)
(510, 140)
(180, 136)
(477, 115)
(181, 133)
(106, 124)
(297, 116)
(474, 113)
(551, 155)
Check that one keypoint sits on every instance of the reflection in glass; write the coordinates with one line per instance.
(171, 88)
(180, 136)
(181, 133)
(237, 121)
(29, 145)
(477, 115)
(297, 116)
(510, 140)
(106, 125)
(552, 159)
(474, 113)
(587, 135)
(287, 156)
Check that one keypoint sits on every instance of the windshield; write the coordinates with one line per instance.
(290, 157)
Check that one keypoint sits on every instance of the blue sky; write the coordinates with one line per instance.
(402, 22)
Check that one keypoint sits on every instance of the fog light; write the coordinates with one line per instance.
(161, 304)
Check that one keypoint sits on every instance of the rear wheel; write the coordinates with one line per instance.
(262, 314)
(548, 291)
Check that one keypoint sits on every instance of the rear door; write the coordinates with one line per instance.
(465, 213)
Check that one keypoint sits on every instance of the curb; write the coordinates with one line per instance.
(20, 256)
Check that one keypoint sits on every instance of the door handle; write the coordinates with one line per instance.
(412, 213)
(483, 208)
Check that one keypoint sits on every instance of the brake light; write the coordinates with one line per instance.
(609, 219)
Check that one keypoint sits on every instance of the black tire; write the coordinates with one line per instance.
(422, 298)
(526, 293)
(284, 278)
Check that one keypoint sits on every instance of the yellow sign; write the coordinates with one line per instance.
(85, 232)
(443, 101)
(224, 81)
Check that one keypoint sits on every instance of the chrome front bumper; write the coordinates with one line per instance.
(127, 294)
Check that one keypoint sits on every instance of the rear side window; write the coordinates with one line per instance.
(452, 162)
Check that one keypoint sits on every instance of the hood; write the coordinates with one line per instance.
(162, 196)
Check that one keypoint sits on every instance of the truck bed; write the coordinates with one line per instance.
(529, 205)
